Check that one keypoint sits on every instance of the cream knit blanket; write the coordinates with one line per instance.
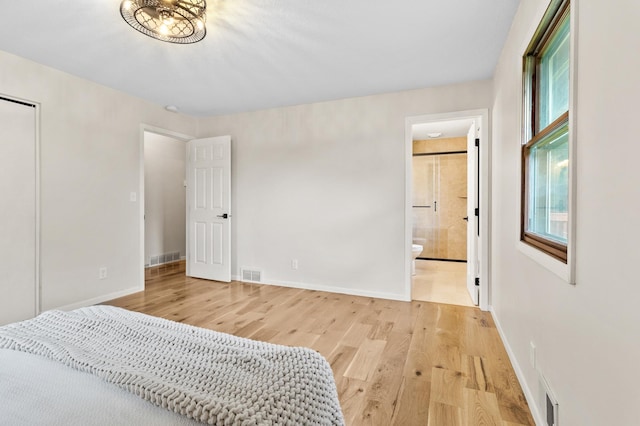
(208, 376)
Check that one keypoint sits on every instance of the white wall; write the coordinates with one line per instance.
(18, 212)
(587, 339)
(324, 183)
(164, 195)
(90, 157)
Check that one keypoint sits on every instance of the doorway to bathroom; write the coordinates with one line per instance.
(446, 173)
(440, 216)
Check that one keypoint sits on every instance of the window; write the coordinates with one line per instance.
(545, 149)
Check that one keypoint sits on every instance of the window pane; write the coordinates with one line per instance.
(549, 186)
(554, 77)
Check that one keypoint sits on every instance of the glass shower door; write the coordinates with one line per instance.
(425, 204)
(440, 205)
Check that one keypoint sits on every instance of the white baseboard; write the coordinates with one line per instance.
(533, 406)
(100, 299)
(330, 289)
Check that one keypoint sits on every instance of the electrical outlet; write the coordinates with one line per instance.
(294, 263)
(532, 354)
(102, 273)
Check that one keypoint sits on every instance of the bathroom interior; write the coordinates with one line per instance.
(439, 211)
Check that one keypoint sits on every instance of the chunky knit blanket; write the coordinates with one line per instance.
(208, 376)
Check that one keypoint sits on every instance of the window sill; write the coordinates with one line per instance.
(560, 269)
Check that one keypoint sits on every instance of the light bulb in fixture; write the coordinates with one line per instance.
(164, 29)
(199, 24)
(127, 4)
(167, 17)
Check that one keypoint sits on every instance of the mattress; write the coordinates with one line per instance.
(38, 391)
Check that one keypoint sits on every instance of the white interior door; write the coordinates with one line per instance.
(18, 212)
(473, 258)
(209, 208)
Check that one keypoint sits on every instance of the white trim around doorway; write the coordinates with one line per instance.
(482, 119)
(164, 132)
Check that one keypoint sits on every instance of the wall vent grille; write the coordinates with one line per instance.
(164, 258)
(251, 275)
(547, 402)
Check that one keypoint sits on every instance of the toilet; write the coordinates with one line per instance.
(416, 249)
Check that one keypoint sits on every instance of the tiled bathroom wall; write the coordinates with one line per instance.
(440, 198)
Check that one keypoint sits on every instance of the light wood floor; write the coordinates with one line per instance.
(395, 363)
(441, 282)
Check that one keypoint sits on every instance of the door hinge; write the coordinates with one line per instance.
(477, 142)
(477, 282)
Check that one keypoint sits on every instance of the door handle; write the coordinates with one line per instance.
(466, 218)
(224, 216)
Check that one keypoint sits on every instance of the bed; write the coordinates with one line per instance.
(106, 365)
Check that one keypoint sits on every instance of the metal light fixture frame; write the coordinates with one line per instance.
(173, 21)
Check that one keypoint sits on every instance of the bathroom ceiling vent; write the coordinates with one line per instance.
(251, 275)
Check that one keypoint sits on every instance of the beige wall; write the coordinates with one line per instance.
(90, 165)
(18, 212)
(440, 145)
(586, 336)
(324, 183)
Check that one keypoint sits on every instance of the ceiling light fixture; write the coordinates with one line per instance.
(175, 21)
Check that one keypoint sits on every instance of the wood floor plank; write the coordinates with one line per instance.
(399, 363)
(481, 408)
(375, 413)
(380, 330)
(341, 358)
(356, 334)
(295, 338)
(476, 375)
(447, 387)
(418, 364)
(385, 383)
(327, 342)
(366, 359)
(352, 398)
(412, 407)
(443, 414)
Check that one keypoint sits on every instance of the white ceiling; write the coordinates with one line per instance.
(267, 53)
(449, 129)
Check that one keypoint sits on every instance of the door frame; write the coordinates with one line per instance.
(482, 119)
(38, 227)
(164, 132)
